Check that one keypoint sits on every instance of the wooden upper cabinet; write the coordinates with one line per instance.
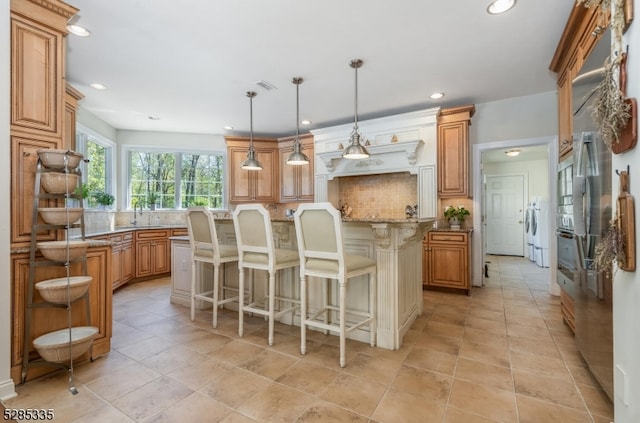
(38, 29)
(582, 32)
(71, 98)
(453, 151)
(253, 186)
(296, 181)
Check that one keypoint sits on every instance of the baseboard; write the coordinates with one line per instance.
(7, 390)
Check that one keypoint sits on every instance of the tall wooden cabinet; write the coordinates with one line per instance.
(296, 182)
(453, 151)
(38, 30)
(249, 186)
(446, 260)
(581, 34)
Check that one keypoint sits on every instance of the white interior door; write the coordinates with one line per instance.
(504, 208)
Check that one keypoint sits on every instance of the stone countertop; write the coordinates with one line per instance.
(92, 243)
(451, 230)
(119, 229)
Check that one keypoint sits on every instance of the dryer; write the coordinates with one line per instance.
(528, 230)
(540, 232)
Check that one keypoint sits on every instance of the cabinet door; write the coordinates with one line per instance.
(143, 259)
(37, 72)
(425, 263)
(161, 256)
(128, 270)
(448, 265)
(23, 173)
(239, 179)
(306, 178)
(116, 266)
(453, 159)
(266, 180)
(288, 173)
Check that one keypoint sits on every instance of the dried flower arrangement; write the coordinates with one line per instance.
(610, 111)
(610, 248)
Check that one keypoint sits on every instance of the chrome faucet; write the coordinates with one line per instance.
(134, 222)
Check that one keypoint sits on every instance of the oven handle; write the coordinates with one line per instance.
(565, 235)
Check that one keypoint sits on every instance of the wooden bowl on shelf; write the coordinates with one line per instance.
(63, 290)
(57, 250)
(52, 158)
(60, 215)
(59, 182)
(54, 346)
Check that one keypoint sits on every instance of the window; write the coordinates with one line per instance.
(98, 168)
(174, 180)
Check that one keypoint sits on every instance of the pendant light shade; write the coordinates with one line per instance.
(297, 157)
(251, 163)
(355, 150)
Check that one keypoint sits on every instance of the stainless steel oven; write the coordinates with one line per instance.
(566, 241)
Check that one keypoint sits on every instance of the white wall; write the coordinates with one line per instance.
(6, 384)
(626, 285)
(536, 170)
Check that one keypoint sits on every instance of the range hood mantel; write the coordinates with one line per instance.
(387, 158)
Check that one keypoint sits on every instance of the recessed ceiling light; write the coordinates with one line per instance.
(78, 30)
(436, 96)
(305, 122)
(154, 118)
(228, 127)
(98, 86)
(500, 6)
(512, 153)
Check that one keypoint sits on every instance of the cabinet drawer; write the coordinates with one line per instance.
(127, 236)
(115, 238)
(154, 233)
(179, 232)
(447, 237)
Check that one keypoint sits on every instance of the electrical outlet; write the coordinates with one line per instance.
(621, 387)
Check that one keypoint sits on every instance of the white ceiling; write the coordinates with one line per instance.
(191, 62)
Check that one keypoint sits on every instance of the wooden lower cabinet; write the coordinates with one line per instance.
(153, 255)
(122, 261)
(567, 309)
(47, 319)
(446, 260)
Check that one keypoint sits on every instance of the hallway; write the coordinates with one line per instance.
(502, 354)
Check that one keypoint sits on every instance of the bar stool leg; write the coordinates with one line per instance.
(343, 294)
(272, 304)
(373, 292)
(193, 289)
(216, 286)
(240, 301)
(303, 315)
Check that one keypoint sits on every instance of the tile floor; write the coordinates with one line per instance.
(499, 355)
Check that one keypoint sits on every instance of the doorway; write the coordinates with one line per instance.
(540, 179)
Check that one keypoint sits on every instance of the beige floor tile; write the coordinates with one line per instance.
(531, 410)
(496, 355)
(269, 364)
(276, 403)
(597, 401)
(439, 343)
(146, 348)
(432, 360)
(376, 369)
(582, 375)
(531, 332)
(308, 377)
(398, 406)
(479, 336)
(235, 417)
(444, 329)
(354, 393)
(198, 374)
(326, 355)
(455, 415)
(430, 385)
(235, 386)
(548, 389)
(492, 326)
(534, 346)
(486, 401)
(152, 398)
(105, 414)
(236, 352)
(172, 358)
(484, 313)
(484, 374)
(119, 382)
(540, 365)
(207, 342)
(321, 412)
(196, 407)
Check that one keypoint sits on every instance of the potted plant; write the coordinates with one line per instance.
(455, 215)
(152, 198)
(104, 199)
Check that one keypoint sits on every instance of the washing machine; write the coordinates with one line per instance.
(540, 232)
(528, 218)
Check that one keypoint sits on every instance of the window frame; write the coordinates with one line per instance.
(126, 174)
(84, 132)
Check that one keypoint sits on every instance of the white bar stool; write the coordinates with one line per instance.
(206, 249)
(256, 251)
(321, 249)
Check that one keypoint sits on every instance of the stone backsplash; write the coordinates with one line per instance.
(384, 195)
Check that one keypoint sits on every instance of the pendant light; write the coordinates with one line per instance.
(251, 163)
(297, 157)
(355, 150)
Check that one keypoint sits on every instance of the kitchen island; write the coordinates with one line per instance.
(396, 246)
